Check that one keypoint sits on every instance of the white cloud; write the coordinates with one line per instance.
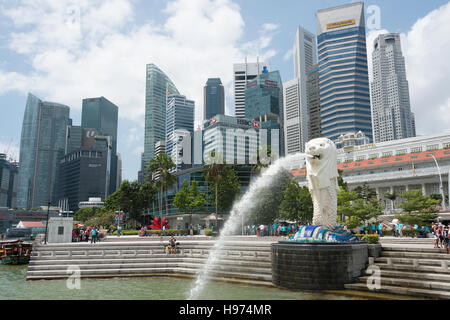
(288, 55)
(80, 49)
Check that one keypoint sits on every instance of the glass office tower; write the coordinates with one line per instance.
(102, 115)
(214, 98)
(264, 103)
(179, 126)
(343, 75)
(158, 87)
(42, 144)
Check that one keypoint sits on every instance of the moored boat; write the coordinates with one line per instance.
(15, 252)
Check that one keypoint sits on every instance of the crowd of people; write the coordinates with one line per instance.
(272, 230)
(81, 233)
(441, 236)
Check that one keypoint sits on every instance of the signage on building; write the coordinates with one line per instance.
(252, 84)
(214, 120)
(340, 24)
(256, 124)
(271, 83)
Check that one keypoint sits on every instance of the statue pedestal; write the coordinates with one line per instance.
(317, 266)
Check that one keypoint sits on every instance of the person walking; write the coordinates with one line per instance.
(142, 233)
(380, 229)
(191, 230)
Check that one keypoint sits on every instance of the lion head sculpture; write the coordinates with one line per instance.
(321, 164)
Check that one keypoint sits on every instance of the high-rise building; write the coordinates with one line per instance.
(313, 93)
(264, 103)
(292, 117)
(213, 98)
(179, 126)
(233, 140)
(391, 109)
(42, 144)
(102, 115)
(343, 75)
(9, 172)
(86, 172)
(243, 73)
(295, 93)
(158, 88)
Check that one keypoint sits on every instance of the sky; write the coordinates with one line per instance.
(67, 50)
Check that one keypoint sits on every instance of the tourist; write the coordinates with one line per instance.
(119, 230)
(173, 245)
(441, 236)
(261, 228)
(142, 233)
(145, 231)
(380, 229)
(191, 230)
(445, 236)
(164, 230)
(87, 234)
(94, 235)
(434, 229)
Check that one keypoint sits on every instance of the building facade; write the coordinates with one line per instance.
(343, 74)
(158, 88)
(243, 73)
(391, 109)
(42, 144)
(296, 118)
(396, 166)
(102, 115)
(213, 98)
(86, 172)
(9, 172)
(264, 104)
(179, 126)
(313, 94)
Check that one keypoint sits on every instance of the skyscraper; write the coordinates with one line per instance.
(158, 87)
(213, 98)
(8, 182)
(391, 110)
(102, 115)
(243, 73)
(343, 75)
(85, 172)
(292, 117)
(264, 103)
(295, 95)
(179, 126)
(313, 93)
(42, 144)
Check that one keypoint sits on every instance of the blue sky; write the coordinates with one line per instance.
(67, 50)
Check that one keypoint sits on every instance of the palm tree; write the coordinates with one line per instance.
(161, 166)
(213, 175)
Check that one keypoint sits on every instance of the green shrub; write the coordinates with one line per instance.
(208, 232)
(369, 238)
(410, 233)
(388, 232)
(127, 232)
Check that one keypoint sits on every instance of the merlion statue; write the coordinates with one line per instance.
(322, 174)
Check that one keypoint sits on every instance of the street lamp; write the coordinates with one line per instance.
(441, 187)
(46, 225)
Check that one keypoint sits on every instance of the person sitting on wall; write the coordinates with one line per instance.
(173, 245)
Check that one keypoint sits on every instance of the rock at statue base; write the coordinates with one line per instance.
(321, 234)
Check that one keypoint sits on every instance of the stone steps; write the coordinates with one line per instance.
(52, 274)
(162, 259)
(413, 261)
(243, 261)
(410, 270)
(424, 293)
(191, 265)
